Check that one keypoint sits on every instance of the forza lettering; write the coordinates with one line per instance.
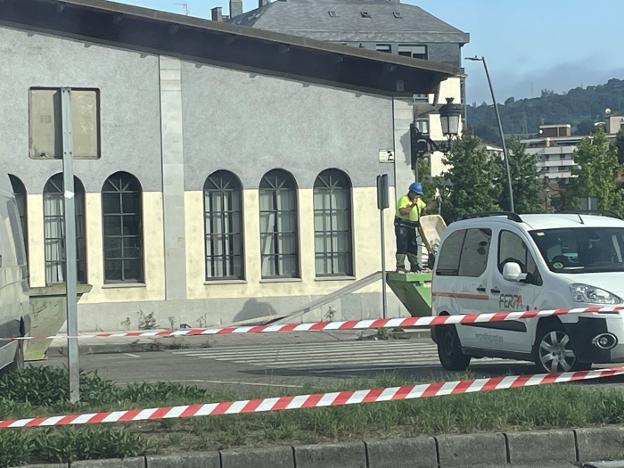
(510, 302)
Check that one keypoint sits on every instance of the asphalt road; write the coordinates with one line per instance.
(256, 365)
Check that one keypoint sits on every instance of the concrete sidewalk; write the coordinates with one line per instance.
(134, 344)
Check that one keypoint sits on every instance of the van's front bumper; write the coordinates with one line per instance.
(584, 332)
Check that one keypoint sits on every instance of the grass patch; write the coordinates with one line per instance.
(43, 391)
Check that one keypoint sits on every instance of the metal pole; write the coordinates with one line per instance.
(70, 247)
(502, 135)
(384, 299)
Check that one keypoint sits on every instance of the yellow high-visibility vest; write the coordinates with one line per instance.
(415, 212)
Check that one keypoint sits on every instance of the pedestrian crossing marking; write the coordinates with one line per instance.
(326, 356)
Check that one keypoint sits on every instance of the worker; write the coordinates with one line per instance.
(409, 210)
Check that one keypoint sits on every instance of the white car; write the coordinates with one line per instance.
(509, 262)
(14, 304)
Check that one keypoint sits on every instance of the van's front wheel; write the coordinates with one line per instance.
(554, 351)
(449, 349)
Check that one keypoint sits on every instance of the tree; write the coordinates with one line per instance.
(619, 146)
(596, 174)
(524, 180)
(472, 181)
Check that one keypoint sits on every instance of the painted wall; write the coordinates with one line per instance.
(129, 106)
(249, 124)
(212, 118)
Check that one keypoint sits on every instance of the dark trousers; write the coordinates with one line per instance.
(407, 244)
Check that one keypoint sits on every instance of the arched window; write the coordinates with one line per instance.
(279, 247)
(223, 226)
(54, 230)
(19, 190)
(122, 215)
(332, 224)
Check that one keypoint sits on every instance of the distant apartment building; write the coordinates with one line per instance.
(554, 148)
(614, 123)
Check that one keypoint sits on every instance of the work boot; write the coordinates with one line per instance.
(415, 269)
(401, 270)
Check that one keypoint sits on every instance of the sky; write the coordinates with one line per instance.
(529, 45)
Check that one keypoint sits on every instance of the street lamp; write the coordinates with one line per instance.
(450, 116)
(421, 143)
(500, 129)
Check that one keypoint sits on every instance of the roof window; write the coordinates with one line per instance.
(365, 14)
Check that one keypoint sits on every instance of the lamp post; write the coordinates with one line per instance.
(500, 129)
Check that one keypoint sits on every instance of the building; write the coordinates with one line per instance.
(386, 26)
(614, 123)
(554, 149)
(222, 172)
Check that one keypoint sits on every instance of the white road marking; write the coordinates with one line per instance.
(136, 356)
(236, 382)
(320, 358)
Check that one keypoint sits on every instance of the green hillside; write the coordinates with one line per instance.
(580, 107)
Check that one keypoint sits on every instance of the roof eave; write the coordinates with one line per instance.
(179, 35)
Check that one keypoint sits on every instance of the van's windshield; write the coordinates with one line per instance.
(582, 250)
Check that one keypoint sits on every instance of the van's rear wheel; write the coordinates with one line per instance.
(449, 349)
(554, 351)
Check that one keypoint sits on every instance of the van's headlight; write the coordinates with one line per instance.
(593, 295)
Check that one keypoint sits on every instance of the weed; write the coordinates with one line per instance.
(15, 447)
(147, 321)
(86, 443)
(47, 386)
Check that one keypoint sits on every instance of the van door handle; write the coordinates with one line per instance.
(481, 289)
(495, 291)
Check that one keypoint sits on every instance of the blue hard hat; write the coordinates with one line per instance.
(417, 188)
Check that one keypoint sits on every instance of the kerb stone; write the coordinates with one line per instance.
(348, 455)
(276, 457)
(472, 450)
(135, 462)
(418, 452)
(540, 446)
(191, 460)
(600, 443)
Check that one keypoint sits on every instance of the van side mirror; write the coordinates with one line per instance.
(513, 272)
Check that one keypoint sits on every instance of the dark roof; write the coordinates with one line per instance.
(384, 21)
(226, 44)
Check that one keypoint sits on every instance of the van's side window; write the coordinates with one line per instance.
(450, 253)
(512, 248)
(474, 254)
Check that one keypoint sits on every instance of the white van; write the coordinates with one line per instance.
(14, 304)
(509, 262)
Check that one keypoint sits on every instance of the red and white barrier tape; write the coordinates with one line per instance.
(343, 325)
(317, 400)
